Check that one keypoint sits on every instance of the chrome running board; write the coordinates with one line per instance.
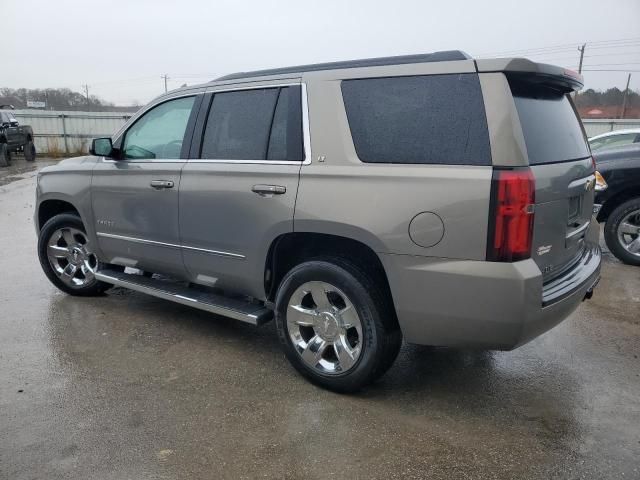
(254, 313)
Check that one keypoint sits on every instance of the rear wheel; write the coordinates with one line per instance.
(336, 325)
(67, 257)
(622, 232)
(29, 151)
(5, 155)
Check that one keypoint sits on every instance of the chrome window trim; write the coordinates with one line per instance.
(170, 245)
(131, 160)
(306, 132)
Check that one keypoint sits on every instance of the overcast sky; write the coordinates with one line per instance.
(120, 48)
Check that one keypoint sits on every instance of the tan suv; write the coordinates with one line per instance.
(436, 198)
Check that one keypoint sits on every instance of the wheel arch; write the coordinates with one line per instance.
(290, 249)
(51, 207)
(628, 193)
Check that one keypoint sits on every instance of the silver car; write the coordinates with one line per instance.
(436, 198)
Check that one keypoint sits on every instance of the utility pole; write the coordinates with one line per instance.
(624, 97)
(86, 91)
(581, 50)
(166, 77)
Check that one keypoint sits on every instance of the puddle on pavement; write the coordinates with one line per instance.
(21, 169)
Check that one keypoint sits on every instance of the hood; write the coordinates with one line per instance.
(71, 163)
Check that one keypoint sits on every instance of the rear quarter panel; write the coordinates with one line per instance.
(375, 203)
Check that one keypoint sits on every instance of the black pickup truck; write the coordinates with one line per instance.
(14, 137)
(620, 168)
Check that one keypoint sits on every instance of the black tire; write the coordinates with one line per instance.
(94, 287)
(381, 334)
(5, 155)
(30, 151)
(611, 231)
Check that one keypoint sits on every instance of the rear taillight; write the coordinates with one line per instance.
(511, 216)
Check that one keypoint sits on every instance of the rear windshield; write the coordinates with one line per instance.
(436, 119)
(551, 128)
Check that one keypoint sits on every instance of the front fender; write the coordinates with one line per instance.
(70, 182)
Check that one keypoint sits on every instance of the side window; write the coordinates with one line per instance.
(285, 142)
(613, 141)
(620, 140)
(255, 124)
(159, 133)
(435, 119)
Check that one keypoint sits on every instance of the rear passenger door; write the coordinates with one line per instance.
(239, 187)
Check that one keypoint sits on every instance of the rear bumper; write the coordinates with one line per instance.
(464, 303)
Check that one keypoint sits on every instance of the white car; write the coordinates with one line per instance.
(617, 138)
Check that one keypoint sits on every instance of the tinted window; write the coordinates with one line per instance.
(159, 133)
(285, 142)
(254, 125)
(238, 125)
(551, 128)
(425, 119)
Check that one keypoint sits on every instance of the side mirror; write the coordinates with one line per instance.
(101, 147)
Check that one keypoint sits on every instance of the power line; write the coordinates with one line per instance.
(600, 47)
(553, 57)
(128, 80)
(626, 42)
(612, 64)
(617, 40)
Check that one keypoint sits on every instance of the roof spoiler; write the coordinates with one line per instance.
(531, 72)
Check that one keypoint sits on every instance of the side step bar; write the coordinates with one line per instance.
(253, 313)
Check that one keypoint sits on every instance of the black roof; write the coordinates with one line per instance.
(444, 56)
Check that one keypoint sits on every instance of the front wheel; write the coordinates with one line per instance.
(67, 257)
(336, 324)
(622, 232)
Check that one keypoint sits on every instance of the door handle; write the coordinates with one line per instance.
(264, 190)
(160, 184)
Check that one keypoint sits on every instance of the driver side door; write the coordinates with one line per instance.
(135, 196)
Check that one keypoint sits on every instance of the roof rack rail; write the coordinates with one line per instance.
(444, 56)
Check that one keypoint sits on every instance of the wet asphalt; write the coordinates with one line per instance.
(126, 386)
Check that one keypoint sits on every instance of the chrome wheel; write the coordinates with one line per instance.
(629, 233)
(324, 327)
(70, 257)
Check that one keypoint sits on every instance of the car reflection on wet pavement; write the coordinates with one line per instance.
(130, 386)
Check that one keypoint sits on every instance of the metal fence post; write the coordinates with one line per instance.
(64, 134)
